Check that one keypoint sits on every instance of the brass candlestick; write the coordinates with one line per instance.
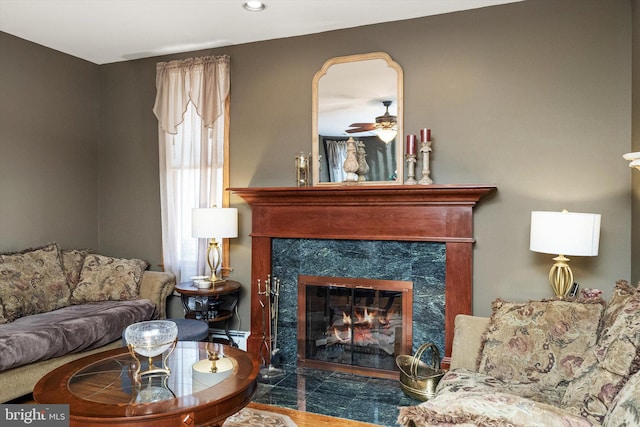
(303, 178)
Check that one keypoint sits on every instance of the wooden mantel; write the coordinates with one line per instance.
(437, 213)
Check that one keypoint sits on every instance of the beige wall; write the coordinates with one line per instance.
(534, 97)
(49, 139)
(635, 215)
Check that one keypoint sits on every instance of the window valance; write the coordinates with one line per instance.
(202, 81)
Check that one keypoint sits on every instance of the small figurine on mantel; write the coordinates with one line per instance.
(363, 167)
(350, 164)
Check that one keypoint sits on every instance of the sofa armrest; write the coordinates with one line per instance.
(157, 286)
(467, 339)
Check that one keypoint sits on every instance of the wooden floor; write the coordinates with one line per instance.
(302, 419)
(307, 419)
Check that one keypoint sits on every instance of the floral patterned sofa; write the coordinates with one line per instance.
(59, 305)
(542, 363)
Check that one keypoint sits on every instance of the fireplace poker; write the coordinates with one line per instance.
(275, 357)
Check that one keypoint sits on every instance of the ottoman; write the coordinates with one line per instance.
(188, 330)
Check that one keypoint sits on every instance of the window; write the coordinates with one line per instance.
(192, 108)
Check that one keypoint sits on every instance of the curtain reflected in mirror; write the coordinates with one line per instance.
(380, 157)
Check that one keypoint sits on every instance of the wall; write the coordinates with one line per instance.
(49, 139)
(635, 176)
(534, 97)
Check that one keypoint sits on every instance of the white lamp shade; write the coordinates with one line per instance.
(634, 159)
(565, 233)
(214, 222)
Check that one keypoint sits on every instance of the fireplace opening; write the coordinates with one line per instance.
(354, 325)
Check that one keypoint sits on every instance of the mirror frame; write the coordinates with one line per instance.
(315, 144)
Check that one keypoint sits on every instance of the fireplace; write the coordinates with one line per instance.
(353, 325)
(440, 214)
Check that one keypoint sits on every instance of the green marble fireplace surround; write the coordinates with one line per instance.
(422, 263)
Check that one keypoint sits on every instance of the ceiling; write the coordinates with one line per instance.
(106, 31)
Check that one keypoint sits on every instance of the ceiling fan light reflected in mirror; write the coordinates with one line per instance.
(385, 127)
(386, 135)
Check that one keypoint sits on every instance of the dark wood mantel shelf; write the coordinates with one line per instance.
(441, 213)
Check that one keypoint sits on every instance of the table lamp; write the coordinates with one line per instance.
(212, 223)
(634, 159)
(564, 233)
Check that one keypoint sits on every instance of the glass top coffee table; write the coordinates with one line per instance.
(102, 389)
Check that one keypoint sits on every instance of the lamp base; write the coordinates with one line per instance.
(561, 276)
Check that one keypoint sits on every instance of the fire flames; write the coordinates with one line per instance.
(361, 330)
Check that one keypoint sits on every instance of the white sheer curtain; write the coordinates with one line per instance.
(190, 107)
(336, 154)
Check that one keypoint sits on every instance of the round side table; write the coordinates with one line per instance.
(211, 305)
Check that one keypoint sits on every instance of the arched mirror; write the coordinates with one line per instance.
(358, 96)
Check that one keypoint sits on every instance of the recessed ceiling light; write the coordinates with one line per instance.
(254, 6)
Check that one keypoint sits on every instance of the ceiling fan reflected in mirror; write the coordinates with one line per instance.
(386, 125)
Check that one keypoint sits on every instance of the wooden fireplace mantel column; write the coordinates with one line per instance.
(436, 213)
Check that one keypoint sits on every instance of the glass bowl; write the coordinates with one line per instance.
(152, 337)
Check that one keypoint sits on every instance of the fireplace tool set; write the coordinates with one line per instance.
(272, 296)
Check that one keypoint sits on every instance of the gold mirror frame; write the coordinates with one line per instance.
(399, 146)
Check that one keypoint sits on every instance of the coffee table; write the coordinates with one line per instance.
(101, 391)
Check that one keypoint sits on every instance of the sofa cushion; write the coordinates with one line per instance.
(614, 359)
(71, 329)
(459, 379)
(467, 341)
(622, 292)
(32, 281)
(72, 261)
(625, 410)
(620, 337)
(106, 278)
(591, 395)
(478, 408)
(539, 342)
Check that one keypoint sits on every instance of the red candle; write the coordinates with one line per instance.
(411, 144)
(425, 135)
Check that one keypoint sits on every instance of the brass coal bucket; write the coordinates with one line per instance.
(417, 379)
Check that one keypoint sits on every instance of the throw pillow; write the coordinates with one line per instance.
(32, 281)
(622, 292)
(590, 395)
(620, 340)
(540, 342)
(614, 359)
(105, 278)
(625, 410)
(72, 261)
